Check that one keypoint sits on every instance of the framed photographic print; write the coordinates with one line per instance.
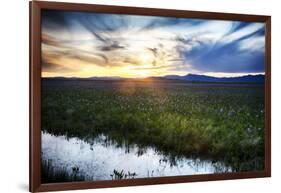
(123, 96)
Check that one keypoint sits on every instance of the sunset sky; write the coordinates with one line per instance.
(76, 44)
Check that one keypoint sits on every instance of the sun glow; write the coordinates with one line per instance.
(145, 57)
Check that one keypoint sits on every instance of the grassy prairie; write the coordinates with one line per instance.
(222, 122)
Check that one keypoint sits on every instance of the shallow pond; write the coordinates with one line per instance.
(98, 159)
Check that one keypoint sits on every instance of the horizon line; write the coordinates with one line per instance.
(161, 76)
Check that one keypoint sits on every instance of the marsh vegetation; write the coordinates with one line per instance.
(221, 123)
(51, 174)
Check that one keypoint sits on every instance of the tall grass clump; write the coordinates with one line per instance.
(49, 174)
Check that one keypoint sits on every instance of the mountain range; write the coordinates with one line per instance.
(189, 77)
(204, 78)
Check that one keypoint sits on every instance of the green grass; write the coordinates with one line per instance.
(222, 122)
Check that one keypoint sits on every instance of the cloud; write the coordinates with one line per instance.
(236, 26)
(244, 32)
(50, 63)
(157, 22)
(48, 40)
(154, 67)
(114, 46)
(254, 44)
(132, 60)
(160, 54)
(102, 27)
(227, 57)
(191, 40)
(154, 51)
(61, 49)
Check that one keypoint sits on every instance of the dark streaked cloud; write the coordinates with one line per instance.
(159, 54)
(101, 25)
(113, 46)
(132, 60)
(154, 51)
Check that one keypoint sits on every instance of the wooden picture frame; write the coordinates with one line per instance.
(36, 8)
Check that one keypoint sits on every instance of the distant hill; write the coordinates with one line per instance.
(188, 77)
(89, 78)
(203, 78)
(106, 78)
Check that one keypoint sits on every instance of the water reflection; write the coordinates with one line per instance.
(101, 159)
